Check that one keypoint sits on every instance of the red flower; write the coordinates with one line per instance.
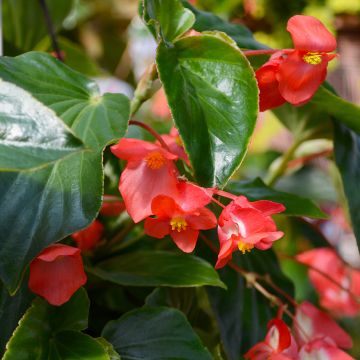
(86, 239)
(150, 171)
(312, 324)
(279, 344)
(323, 349)
(175, 144)
(56, 273)
(332, 296)
(181, 216)
(244, 225)
(112, 206)
(295, 75)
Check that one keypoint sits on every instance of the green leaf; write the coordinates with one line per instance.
(157, 268)
(206, 21)
(347, 157)
(113, 355)
(50, 181)
(242, 312)
(213, 96)
(155, 334)
(342, 110)
(295, 205)
(157, 12)
(24, 22)
(50, 332)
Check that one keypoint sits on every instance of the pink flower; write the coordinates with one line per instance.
(160, 105)
(181, 216)
(312, 324)
(332, 296)
(56, 273)
(244, 225)
(175, 144)
(294, 75)
(88, 238)
(279, 344)
(149, 172)
(324, 349)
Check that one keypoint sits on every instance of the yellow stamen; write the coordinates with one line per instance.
(178, 141)
(312, 58)
(178, 224)
(155, 160)
(243, 247)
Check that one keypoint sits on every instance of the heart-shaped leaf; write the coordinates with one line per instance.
(213, 96)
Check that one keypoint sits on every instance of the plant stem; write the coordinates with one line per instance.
(151, 131)
(144, 89)
(280, 169)
(51, 30)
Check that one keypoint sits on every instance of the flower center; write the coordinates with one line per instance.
(243, 247)
(178, 224)
(312, 58)
(155, 160)
(178, 141)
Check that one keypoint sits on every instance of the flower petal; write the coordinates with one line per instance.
(192, 197)
(298, 80)
(156, 228)
(185, 240)
(309, 34)
(204, 220)
(165, 207)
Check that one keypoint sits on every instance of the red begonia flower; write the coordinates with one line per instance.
(313, 324)
(279, 344)
(149, 172)
(324, 349)
(112, 206)
(333, 297)
(160, 105)
(88, 238)
(56, 273)
(295, 75)
(244, 225)
(175, 144)
(181, 217)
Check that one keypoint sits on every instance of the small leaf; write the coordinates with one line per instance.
(171, 26)
(49, 332)
(295, 205)
(347, 157)
(213, 96)
(155, 334)
(157, 268)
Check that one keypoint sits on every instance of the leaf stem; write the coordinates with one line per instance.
(51, 30)
(144, 89)
(264, 52)
(150, 130)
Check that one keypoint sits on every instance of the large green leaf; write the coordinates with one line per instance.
(347, 156)
(206, 21)
(157, 268)
(155, 334)
(295, 205)
(157, 12)
(24, 22)
(213, 96)
(242, 312)
(50, 181)
(49, 332)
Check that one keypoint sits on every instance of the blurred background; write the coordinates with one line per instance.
(106, 40)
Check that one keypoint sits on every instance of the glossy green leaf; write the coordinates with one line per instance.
(24, 23)
(347, 156)
(50, 332)
(295, 205)
(50, 180)
(157, 268)
(242, 312)
(206, 21)
(213, 96)
(113, 355)
(155, 334)
(157, 12)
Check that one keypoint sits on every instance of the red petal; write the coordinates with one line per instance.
(165, 207)
(203, 221)
(192, 197)
(225, 253)
(57, 273)
(133, 149)
(298, 80)
(309, 34)
(284, 334)
(86, 239)
(156, 228)
(185, 240)
(138, 186)
(270, 96)
(268, 207)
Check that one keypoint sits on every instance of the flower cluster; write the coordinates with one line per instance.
(315, 336)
